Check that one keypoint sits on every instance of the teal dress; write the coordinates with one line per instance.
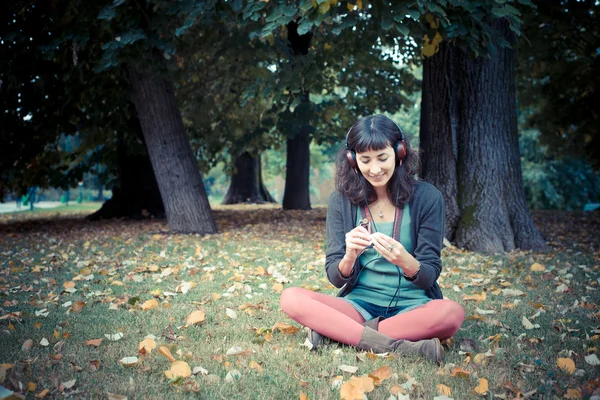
(381, 289)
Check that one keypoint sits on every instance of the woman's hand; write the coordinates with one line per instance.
(389, 248)
(356, 241)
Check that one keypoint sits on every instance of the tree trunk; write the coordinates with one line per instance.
(246, 182)
(136, 195)
(438, 131)
(493, 215)
(179, 179)
(296, 195)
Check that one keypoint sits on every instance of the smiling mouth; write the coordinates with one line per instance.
(377, 176)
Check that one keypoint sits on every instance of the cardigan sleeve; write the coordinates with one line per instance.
(336, 241)
(430, 237)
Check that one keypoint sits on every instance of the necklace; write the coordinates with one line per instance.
(381, 210)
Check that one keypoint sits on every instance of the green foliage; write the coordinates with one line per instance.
(558, 80)
(567, 183)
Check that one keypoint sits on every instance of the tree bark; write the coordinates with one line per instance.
(493, 215)
(136, 195)
(438, 131)
(296, 193)
(246, 182)
(179, 179)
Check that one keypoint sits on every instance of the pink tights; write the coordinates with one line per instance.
(338, 320)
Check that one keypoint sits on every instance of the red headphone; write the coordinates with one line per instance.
(399, 150)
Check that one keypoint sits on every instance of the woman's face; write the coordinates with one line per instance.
(377, 166)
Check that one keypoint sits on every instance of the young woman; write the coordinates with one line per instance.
(384, 237)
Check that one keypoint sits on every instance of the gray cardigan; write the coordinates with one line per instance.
(426, 232)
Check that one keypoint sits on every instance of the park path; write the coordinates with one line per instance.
(11, 206)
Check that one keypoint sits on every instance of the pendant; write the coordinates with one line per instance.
(380, 213)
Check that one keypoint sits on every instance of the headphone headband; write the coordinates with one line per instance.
(399, 149)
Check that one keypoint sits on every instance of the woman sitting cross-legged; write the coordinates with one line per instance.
(384, 232)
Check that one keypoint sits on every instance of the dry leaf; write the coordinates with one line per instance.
(444, 390)
(150, 304)
(112, 396)
(179, 369)
(537, 267)
(42, 394)
(461, 373)
(164, 351)
(278, 288)
(380, 374)
(31, 387)
(233, 375)
(356, 387)
(592, 359)
(566, 364)
(573, 394)
(231, 313)
(94, 342)
(476, 297)
(255, 366)
(78, 306)
(527, 324)
(44, 342)
(69, 384)
(303, 396)
(512, 293)
(285, 328)
(69, 284)
(194, 318)
(482, 388)
(28, 344)
(348, 368)
(147, 345)
(113, 337)
(128, 361)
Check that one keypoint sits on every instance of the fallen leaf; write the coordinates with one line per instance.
(482, 388)
(380, 374)
(146, 346)
(178, 369)
(573, 394)
(199, 370)
(31, 387)
(69, 384)
(231, 313)
(149, 304)
(527, 324)
(78, 306)
(303, 396)
(164, 351)
(592, 359)
(278, 288)
(94, 342)
(461, 373)
(28, 344)
(69, 284)
(112, 396)
(285, 328)
(348, 368)
(113, 337)
(476, 297)
(356, 387)
(566, 364)
(194, 318)
(233, 375)
(537, 267)
(444, 390)
(128, 361)
(44, 342)
(512, 293)
(42, 394)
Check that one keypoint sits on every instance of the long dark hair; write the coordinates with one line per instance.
(376, 132)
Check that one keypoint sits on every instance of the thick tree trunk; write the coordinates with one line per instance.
(136, 195)
(493, 215)
(438, 131)
(296, 195)
(246, 182)
(179, 179)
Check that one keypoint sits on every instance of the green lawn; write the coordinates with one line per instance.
(65, 281)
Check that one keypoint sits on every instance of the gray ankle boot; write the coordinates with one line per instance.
(377, 342)
(373, 323)
(315, 338)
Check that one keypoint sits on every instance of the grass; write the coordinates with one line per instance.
(125, 263)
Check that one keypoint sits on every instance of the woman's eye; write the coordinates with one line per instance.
(383, 160)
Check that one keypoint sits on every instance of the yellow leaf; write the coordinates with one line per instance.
(566, 364)
(482, 388)
(11, 327)
(479, 358)
(42, 394)
(303, 396)
(164, 351)
(179, 369)
(128, 361)
(327, 46)
(31, 387)
(256, 366)
(359, 4)
(147, 345)
(117, 283)
(37, 325)
(350, 392)
(69, 284)
(477, 297)
(194, 318)
(572, 394)
(350, 6)
(324, 7)
(379, 375)
(278, 287)
(444, 390)
(113, 396)
(537, 267)
(150, 304)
